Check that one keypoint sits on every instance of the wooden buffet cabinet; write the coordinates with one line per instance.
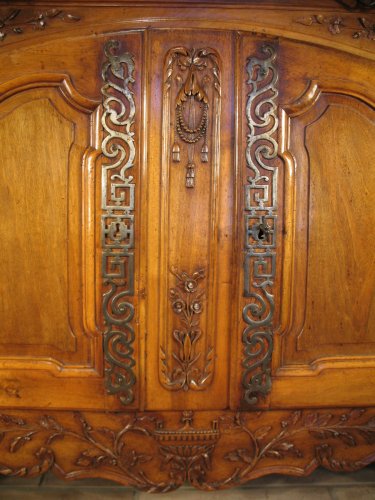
(187, 239)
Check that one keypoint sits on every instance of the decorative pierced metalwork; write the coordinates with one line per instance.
(187, 303)
(260, 224)
(193, 102)
(118, 221)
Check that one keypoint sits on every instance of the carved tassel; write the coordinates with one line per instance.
(204, 153)
(176, 152)
(190, 175)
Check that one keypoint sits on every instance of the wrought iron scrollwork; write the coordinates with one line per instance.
(260, 224)
(118, 221)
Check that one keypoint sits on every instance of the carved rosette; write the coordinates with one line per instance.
(118, 221)
(260, 213)
(192, 89)
(157, 455)
(187, 300)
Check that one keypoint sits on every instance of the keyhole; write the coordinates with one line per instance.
(117, 231)
(261, 233)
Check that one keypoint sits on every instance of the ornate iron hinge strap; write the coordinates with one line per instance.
(260, 207)
(118, 221)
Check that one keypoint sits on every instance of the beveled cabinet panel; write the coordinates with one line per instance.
(39, 130)
(36, 203)
(327, 333)
(333, 255)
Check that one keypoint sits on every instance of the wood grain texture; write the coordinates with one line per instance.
(57, 412)
(38, 198)
(210, 451)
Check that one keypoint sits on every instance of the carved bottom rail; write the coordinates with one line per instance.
(159, 452)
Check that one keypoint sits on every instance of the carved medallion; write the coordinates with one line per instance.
(118, 221)
(187, 300)
(192, 81)
(260, 213)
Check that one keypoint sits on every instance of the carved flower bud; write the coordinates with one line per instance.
(196, 307)
(178, 306)
(190, 285)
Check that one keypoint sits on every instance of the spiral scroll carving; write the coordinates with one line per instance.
(260, 224)
(118, 221)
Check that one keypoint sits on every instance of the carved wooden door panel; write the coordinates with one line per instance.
(50, 285)
(186, 231)
(325, 344)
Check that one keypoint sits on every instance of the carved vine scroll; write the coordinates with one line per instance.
(260, 213)
(10, 24)
(360, 27)
(187, 300)
(155, 454)
(118, 221)
(192, 79)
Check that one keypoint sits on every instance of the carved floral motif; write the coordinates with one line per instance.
(187, 303)
(9, 24)
(133, 449)
(337, 24)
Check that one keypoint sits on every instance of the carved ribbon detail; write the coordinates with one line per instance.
(118, 221)
(195, 72)
(260, 224)
(187, 302)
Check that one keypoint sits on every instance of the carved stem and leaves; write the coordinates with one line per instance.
(10, 23)
(187, 300)
(324, 430)
(134, 449)
(101, 447)
(364, 28)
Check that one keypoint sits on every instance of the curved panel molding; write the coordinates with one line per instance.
(41, 80)
(308, 350)
(51, 105)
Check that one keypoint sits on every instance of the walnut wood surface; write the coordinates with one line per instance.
(159, 453)
(55, 409)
